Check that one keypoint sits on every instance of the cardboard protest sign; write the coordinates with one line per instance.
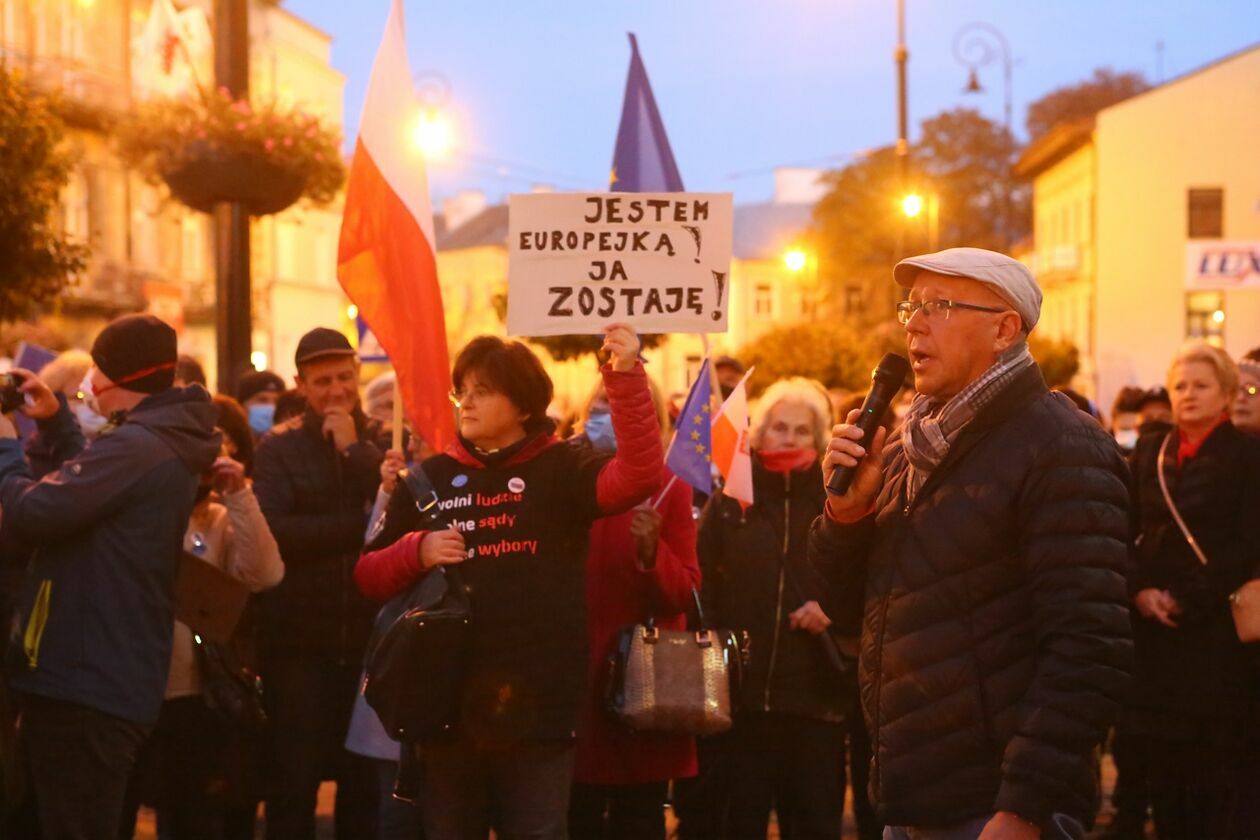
(580, 261)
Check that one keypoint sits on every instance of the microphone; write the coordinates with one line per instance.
(886, 381)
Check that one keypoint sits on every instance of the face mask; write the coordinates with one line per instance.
(89, 396)
(599, 431)
(89, 421)
(262, 418)
(1127, 438)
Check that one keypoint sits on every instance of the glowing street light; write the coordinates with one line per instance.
(433, 135)
(258, 360)
(795, 260)
(912, 205)
(352, 312)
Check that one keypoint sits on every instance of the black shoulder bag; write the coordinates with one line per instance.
(418, 653)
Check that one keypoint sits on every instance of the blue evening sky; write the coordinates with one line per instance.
(743, 87)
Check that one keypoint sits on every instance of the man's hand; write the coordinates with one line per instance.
(42, 401)
(339, 426)
(394, 461)
(845, 451)
(645, 527)
(1158, 605)
(620, 340)
(229, 475)
(810, 618)
(442, 548)
(1008, 826)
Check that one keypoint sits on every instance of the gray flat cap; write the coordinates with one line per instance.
(1009, 278)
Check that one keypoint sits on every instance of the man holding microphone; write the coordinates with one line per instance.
(985, 540)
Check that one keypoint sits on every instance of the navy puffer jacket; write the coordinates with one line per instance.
(996, 644)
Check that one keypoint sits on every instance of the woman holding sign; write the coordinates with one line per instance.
(521, 504)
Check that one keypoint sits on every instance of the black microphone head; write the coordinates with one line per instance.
(893, 369)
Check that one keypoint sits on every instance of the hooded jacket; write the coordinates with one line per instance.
(95, 615)
(525, 513)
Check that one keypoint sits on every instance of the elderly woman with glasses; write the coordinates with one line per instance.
(521, 505)
(1196, 691)
(1246, 411)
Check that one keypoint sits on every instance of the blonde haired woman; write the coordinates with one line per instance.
(786, 751)
(1196, 692)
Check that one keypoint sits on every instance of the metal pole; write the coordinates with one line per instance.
(900, 55)
(233, 311)
(973, 47)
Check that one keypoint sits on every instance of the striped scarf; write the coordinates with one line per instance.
(932, 426)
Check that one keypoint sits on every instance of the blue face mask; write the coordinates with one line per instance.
(599, 431)
(261, 417)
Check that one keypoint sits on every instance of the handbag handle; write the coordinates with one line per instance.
(1172, 506)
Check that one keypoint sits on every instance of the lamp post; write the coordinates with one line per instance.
(900, 56)
(976, 45)
(915, 204)
(233, 311)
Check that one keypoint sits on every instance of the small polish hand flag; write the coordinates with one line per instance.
(386, 258)
(731, 447)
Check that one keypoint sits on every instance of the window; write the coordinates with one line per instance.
(763, 300)
(1205, 317)
(1204, 213)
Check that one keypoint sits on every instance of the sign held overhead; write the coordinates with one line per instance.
(580, 261)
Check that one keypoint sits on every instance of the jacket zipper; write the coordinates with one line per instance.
(778, 607)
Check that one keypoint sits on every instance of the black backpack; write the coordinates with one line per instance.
(418, 654)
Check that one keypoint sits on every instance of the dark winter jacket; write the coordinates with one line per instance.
(317, 502)
(1195, 681)
(94, 617)
(525, 514)
(996, 645)
(743, 555)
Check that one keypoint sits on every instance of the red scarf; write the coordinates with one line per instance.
(1187, 449)
(788, 460)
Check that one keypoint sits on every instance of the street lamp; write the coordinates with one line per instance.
(795, 260)
(432, 134)
(913, 205)
(976, 45)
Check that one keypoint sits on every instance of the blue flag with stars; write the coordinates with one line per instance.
(642, 159)
(690, 455)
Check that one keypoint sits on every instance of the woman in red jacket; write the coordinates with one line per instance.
(642, 564)
(521, 505)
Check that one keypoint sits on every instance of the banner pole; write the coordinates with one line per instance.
(398, 413)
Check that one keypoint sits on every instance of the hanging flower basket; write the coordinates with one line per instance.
(208, 176)
(211, 149)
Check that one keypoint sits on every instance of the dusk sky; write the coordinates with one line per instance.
(743, 87)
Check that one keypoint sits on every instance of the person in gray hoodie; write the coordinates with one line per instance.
(90, 644)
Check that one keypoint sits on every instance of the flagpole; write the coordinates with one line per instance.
(656, 505)
(398, 413)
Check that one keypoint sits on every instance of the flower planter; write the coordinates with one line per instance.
(209, 176)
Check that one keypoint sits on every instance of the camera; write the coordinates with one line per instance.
(11, 399)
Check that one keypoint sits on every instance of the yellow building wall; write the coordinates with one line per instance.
(1199, 131)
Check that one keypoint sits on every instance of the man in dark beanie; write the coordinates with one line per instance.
(91, 641)
(316, 477)
(258, 391)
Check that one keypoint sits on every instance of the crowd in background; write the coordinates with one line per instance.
(279, 488)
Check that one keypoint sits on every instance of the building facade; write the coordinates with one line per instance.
(1147, 225)
(149, 252)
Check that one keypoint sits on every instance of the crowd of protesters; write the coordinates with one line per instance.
(1011, 579)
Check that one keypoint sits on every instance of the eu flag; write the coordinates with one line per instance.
(690, 454)
(642, 160)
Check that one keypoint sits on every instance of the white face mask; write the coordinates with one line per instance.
(1126, 438)
(89, 421)
(89, 396)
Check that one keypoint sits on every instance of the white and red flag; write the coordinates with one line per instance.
(386, 259)
(731, 447)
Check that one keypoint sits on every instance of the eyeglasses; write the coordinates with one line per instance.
(907, 308)
(460, 398)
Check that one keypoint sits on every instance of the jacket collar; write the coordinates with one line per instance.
(1025, 388)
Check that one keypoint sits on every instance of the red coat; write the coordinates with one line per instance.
(618, 593)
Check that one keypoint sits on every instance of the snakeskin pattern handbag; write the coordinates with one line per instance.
(674, 681)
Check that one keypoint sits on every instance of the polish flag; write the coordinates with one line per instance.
(385, 259)
(730, 444)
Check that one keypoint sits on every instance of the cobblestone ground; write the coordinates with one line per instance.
(324, 830)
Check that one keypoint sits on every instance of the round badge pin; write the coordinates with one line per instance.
(459, 480)
(516, 485)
